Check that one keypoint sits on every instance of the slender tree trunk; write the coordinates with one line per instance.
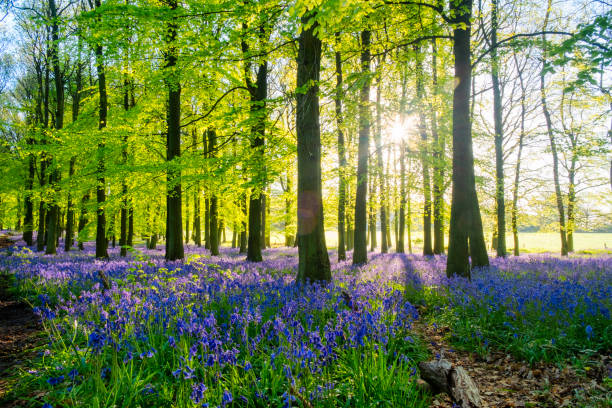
(438, 165)
(341, 157)
(174, 222)
(82, 220)
(197, 232)
(187, 217)
(553, 143)
(123, 233)
(243, 231)
(360, 254)
(54, 176)
(465, 215)
(288, 194)
(214, 225)
(28, 223)
(402, 208)
(313, 262)
(384, 244)
(517, 171)
(263, 219)
(499, 137)
(372, 213)
(76, 101)
(101, 242)
(571, 203)
(420, 94)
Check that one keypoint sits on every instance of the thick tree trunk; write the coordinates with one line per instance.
(174, 222)
(101, 242)
(360, 254)
(313, 262)
(465, 215)
(341, 157)
(499, 137)
(258, 93)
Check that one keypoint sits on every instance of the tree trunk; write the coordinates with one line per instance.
(517, 171)
(263, 219)
(101, 242)
(258, 93)
(465, 215)
(402, 207)
(553, 143)
(313, 262)
(341, 157)
(28, 223)
(123, 233)
(214, 225)
(187, 217)
(82, 220)
(360, 253)
(384, 244)
(54, 177)
(243, 232)
(499, 137)
(174, 222)
(420, 94)
(438, 165)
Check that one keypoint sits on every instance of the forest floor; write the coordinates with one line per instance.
(20, 331)
(505, 382)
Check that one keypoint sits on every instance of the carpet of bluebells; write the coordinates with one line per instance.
(219, 331)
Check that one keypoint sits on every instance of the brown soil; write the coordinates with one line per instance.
(19, 329)
(504, 382)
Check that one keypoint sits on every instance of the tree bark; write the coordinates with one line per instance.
(258, 93)
(54, 177)
(214, 224)
(360, 254)
(499, 137)
(438, 165)
(553, 143)
(384, 244)
(341, 157)
(420, 94)
(465, 219)
(313, 264)
(101, 242)
(174, 222)
(517, 171)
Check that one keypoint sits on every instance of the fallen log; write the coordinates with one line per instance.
(442, 376)
(104, 279)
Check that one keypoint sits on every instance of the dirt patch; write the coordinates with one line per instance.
(19, 331)
(504, 382)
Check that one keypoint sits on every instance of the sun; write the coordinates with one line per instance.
(400, 130)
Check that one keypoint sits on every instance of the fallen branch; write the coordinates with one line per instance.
(104, 278)
(454, 381)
